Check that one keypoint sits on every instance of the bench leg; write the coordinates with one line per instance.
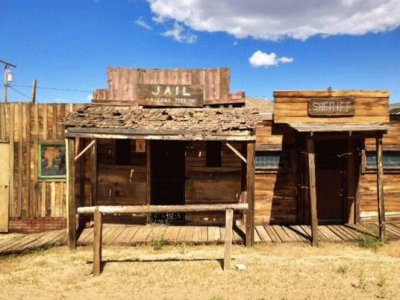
(228, 239)
(97, 243)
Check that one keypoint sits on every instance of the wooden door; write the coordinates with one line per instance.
(330, 180)
(4, 185)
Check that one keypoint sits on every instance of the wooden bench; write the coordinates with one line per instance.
(99, 211)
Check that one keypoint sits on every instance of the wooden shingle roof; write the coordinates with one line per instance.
(189, 122)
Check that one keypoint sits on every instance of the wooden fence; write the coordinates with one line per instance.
(98, 211)
(25, 126)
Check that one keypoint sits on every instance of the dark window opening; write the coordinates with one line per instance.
(272, 160)
(123, 152)
(213, 154)
(391, 160)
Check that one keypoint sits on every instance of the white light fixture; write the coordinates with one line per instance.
(9, 76)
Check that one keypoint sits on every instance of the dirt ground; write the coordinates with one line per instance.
(280, 271)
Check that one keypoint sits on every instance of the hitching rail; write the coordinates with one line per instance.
(99, 211)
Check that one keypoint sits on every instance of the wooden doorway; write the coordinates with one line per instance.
(4, 185)
(168, 178)
(331, 180)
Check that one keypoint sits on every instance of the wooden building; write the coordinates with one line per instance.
(170, 137)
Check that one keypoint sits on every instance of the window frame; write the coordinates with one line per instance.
(275, 169)
(372, 169)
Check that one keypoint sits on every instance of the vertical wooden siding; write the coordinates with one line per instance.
(276, 190)
(25, 126)
(123, 83)
(204, 185)
(368, 189)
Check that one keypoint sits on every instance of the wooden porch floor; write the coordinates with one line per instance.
(136, 234)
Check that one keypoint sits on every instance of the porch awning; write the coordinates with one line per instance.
(230, 124)
(345, 127)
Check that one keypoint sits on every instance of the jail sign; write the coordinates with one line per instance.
(170, 95)
(331, 107)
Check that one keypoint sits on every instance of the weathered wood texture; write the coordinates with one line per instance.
(367, 191)
(123, 84)
(391, 140)
(380, 187)
(275, 190)
(25, 126)
(369, 107)
(116, 234)
(205, 185)
(312, 191)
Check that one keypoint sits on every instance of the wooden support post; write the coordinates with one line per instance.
(93, 177)
(228, 239)
(351, 192)
(381, 202)
(148, 179)
(97, 243)
(71, 203)
(243, 181)
(250, 194)
(313, 191)
(81, 164)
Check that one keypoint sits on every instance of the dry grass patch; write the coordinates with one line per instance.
(332, 271)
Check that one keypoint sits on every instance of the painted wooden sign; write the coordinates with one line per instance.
(331, 107)
(170, 95)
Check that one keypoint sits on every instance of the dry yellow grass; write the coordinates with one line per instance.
(193, 272)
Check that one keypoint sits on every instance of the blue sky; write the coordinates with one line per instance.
(268, 45)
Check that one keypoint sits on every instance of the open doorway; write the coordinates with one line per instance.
(168, 178)
(331, 180)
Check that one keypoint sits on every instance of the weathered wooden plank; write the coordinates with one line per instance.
(131, 209)
(228, 239)
(133, 231)
(272, 234)
(213, 234)
(312, 190)
(171, 233)
(121, 238)
(71, 201)
(20, 159)
(35, 186)
(86, 236)
(148, 178)
(142, 234)
(97, 243)
(263, 234)
(250, 194)
(381, 200)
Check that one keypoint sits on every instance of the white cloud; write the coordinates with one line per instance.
(274, 20)
(263, 59)
(142, 23)
(178, 33)
(285, 59)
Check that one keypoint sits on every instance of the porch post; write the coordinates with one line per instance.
(148, 179)
(93, 177)
(313, 191)
(381, 202)
(71, 201)
(250, 194)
